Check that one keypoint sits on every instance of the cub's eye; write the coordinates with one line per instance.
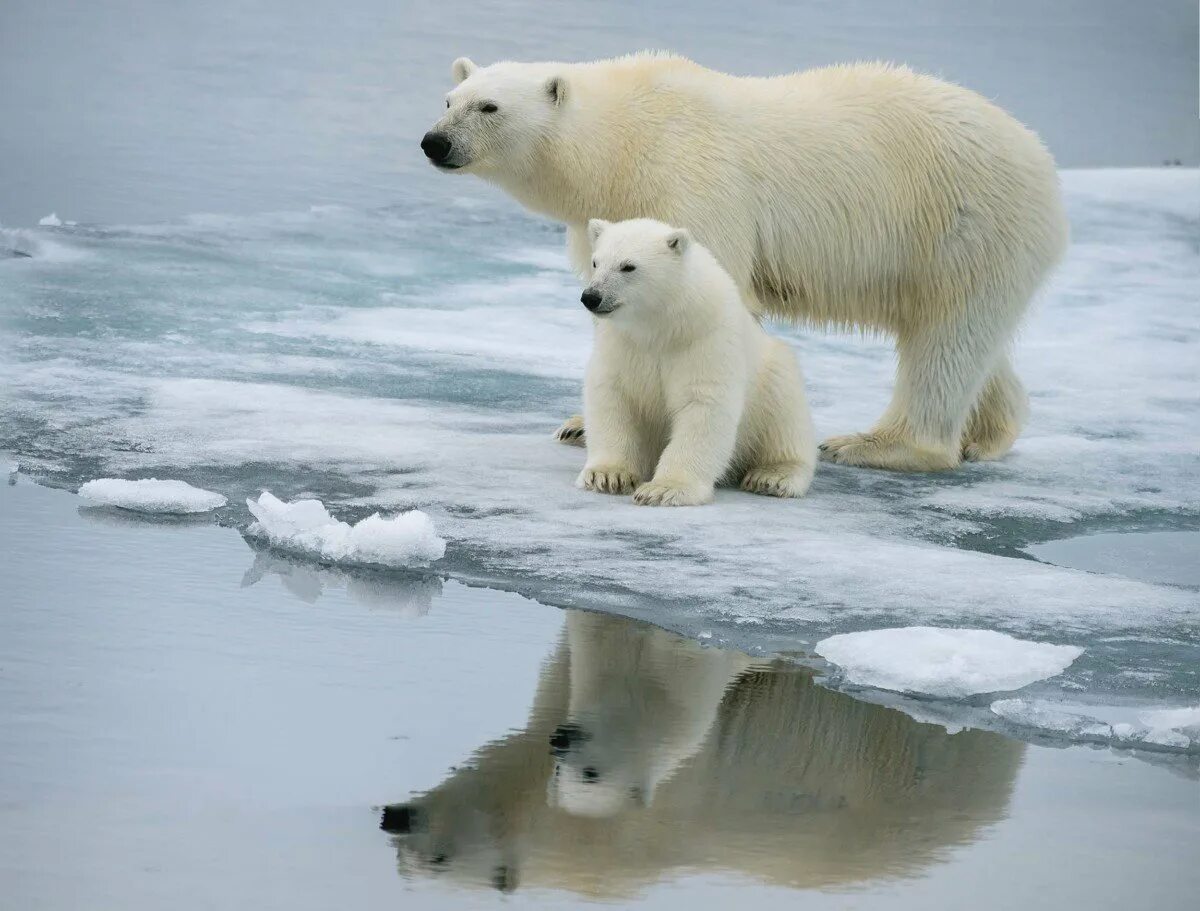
(488, 108)
(627, 267)
(593, 264)
(447, 102)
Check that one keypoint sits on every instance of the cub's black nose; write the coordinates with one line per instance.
(591, 299)
(565, 736)
(435, 146)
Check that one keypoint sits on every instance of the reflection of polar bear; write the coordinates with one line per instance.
(684, 387)
(698, 758)
(863, 196)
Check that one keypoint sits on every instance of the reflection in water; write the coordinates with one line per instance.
(410, 595)
(646, 753)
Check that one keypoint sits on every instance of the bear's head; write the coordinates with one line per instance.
(637, 270)
(495, 117)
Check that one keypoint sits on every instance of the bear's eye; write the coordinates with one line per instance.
(593, 264)
(447, 103)
(627, 267)
(488, 108)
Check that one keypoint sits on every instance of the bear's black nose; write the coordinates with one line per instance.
(436, 146)
(398, 819)
(591, 299)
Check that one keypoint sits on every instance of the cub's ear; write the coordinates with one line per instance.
(556, 89)
(462, 68)
(678, 240)
(596, 227)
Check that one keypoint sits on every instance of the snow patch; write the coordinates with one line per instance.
(151, 495)
(305, 526)
(944, 662)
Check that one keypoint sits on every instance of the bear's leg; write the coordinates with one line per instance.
(571, 431)
(703, 435)
(997, 417)
(940, 376)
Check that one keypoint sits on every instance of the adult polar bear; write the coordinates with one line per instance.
(863, 196)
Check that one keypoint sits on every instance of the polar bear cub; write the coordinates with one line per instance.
(684, 388)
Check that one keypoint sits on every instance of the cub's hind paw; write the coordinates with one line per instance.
(657, 493)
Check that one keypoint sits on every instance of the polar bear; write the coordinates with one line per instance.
(700, 759)
(684, 387)
(862, 196)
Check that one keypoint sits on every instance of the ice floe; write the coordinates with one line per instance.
(1176, 729)
(944, 662)
(151, 495)
(358, 356)
(50, 221)
(305, 526)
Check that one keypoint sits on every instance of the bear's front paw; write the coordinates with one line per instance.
(660, 493)
(571, 432)
(608, 479)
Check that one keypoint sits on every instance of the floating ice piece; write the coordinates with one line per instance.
(50, 221)
(944, 662)
(151, 495)
(1175, 729)
(305, 526)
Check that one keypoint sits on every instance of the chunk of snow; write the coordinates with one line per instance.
(305, 526)
(50, 221)
(944, 662)
(150, 495)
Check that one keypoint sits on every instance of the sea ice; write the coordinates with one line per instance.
(150, 495)
(50, 221)
(944, 662)
(305, 526)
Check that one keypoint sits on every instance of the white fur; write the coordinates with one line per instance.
(862, 196)
(684, 387)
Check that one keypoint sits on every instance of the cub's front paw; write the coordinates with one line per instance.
(660, 493)
(607, 479)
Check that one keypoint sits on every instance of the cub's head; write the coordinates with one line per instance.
(496, 116)
(637, 268)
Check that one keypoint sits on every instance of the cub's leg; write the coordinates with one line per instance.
(616, 449)
(703, 435)
(780, 446)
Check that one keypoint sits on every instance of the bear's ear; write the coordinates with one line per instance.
(678, 240)
(462, 68)
(596, 227)
(556, 89)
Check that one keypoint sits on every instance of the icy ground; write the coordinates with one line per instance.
(419, 357)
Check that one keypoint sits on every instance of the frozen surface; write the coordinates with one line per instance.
(50, 221)
(150, 495)
(944, 662)
(362, 359)
(1174, 730)
(306, 527)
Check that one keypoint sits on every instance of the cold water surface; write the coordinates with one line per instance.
(186, 721)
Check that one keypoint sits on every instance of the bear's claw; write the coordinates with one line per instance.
(775, 482)
(571, 432)
(881, 450)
